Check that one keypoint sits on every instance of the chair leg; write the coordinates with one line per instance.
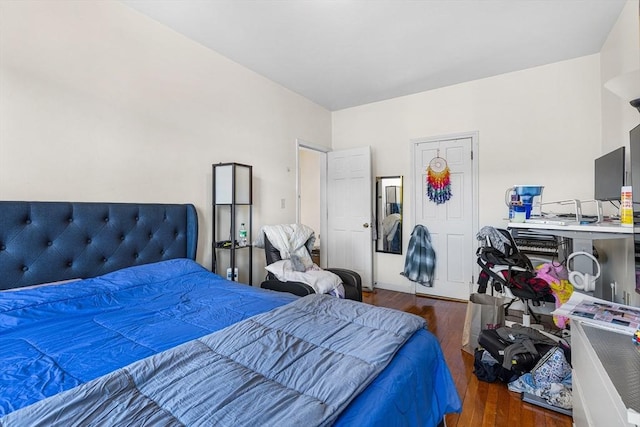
(527, 311)
(530, 312)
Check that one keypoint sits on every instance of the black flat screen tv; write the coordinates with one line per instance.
(609, 175)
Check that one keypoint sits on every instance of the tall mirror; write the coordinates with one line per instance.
(389, 214)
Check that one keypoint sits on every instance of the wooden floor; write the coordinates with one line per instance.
(483, 404)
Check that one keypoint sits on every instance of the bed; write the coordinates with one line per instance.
(106, 318)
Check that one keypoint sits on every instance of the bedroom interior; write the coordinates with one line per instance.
(100, 101)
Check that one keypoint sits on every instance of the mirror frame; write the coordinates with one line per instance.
(385, 192)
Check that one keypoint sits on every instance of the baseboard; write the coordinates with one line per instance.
(407, 289)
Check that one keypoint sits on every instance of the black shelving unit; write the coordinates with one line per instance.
(232, 186)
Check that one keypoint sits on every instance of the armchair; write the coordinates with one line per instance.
(350, 279)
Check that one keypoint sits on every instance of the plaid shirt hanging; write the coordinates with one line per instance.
(420, 262)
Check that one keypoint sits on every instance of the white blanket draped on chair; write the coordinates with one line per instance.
(297, 240)
(289, 239)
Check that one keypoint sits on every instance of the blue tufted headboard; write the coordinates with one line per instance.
(44, 242)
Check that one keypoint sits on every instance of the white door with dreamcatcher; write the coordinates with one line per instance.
(445, 201)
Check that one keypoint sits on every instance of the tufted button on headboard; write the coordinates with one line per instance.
(44, 242)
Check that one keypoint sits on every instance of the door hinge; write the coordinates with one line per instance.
(471, 154)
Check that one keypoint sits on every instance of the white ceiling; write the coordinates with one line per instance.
(343, 53)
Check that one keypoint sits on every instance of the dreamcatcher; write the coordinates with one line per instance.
(438, 181)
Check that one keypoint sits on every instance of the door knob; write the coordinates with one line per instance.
(365, 225)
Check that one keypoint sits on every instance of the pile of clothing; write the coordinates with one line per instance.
(528, 361)
(557, 276)
(550, 379)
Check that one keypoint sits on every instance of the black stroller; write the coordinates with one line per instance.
(509, 271)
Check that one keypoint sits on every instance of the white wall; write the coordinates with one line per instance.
(99, 103)
(540, 125)
(620, 54)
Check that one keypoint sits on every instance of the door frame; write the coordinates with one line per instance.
(322, 151)
(475, 208)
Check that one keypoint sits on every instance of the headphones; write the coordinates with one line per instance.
(583, 281)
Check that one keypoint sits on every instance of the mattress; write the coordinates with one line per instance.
(56, 338)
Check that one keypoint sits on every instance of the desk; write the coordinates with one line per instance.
(606, 366)
(603, 230)
(615, 245)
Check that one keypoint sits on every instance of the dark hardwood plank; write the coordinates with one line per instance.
(483, 404)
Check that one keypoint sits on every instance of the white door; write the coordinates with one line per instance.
(451, 224)
(349, 203)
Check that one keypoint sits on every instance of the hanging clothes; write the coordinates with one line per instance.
(420, 263)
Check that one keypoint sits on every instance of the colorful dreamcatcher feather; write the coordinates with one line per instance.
(438, 180)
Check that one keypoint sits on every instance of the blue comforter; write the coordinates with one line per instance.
(55, 338)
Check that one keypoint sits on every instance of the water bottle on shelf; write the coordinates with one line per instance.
(242, 233)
